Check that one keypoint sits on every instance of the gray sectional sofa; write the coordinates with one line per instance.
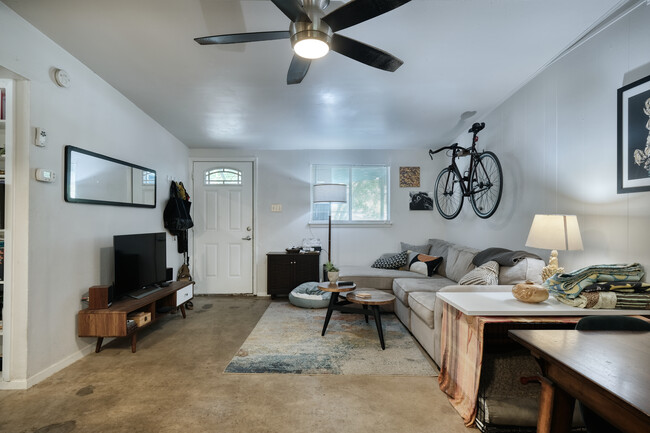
(417, 309)
(415, 294)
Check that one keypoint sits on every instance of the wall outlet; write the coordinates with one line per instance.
(276, 208)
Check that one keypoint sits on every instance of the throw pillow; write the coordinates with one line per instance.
(394, 261)
(423, 264)
(422, 249)
(485, 275)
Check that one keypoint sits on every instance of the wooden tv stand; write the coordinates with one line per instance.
(111, 321)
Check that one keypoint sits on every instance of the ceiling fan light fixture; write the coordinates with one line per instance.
(311, 48)
(309, 43)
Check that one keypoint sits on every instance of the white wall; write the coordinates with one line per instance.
(557, 140)
(70, 244)
(284, 178)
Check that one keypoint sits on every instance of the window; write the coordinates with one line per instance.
(148, 178)
(223, 176)
(368, 193)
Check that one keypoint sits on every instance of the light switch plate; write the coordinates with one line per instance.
(276, 208)
(40, 137)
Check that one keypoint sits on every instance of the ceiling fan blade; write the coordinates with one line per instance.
(297, 70)
(292, 9)
(236, 38)
(358, 11)
(363, 53)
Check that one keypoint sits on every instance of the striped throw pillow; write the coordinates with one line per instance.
(485, 275)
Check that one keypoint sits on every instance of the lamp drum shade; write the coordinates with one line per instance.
(330, 193)
(555, 232)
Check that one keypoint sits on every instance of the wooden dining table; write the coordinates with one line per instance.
(608, 371)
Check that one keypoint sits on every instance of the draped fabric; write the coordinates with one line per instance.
(462, 355)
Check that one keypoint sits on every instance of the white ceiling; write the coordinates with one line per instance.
(459, 56)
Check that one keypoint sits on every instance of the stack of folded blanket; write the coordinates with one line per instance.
(602, 286)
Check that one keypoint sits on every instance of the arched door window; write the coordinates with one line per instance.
(222, 176)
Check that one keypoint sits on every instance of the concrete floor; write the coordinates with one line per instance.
(175, 383)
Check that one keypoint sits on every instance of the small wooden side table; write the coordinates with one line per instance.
(376, 299)
(335, 289)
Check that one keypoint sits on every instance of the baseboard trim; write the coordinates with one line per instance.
(49, 371)
(65, 362)
(16, 384)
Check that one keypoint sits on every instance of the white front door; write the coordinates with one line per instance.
(223, 227)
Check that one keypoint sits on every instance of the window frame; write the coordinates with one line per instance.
(222, 169)
(349, 222)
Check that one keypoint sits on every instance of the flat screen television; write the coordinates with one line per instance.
(140, 262)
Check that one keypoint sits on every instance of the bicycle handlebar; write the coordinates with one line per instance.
(433, 152)
(454, 147)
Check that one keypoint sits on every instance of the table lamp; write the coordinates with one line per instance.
(554, 232)
(330, 193)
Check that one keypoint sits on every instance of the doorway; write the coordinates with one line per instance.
(223, 226)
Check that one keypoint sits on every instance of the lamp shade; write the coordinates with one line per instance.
(330, 192)
(555, 232)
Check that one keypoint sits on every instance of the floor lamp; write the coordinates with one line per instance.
(330, 193)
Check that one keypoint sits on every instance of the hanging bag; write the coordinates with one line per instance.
(176, 215)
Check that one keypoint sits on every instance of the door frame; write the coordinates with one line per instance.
(253, 160)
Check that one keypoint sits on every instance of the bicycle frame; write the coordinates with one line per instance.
(482, 182)
(474, 162)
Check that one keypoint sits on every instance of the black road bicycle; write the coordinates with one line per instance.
(482, 181)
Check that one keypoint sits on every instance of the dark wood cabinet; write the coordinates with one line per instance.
(286, 271)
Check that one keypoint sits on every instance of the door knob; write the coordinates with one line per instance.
(249, 228)
(247, 238)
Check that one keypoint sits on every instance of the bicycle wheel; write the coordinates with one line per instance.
(448, 194)
(486, 184)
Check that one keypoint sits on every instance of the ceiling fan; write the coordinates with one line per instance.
(313, 34)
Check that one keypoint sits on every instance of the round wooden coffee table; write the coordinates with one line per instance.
(335, 289)
(373, 298)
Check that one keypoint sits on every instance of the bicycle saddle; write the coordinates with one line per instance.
(477, 127)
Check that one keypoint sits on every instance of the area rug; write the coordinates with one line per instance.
(287, 340)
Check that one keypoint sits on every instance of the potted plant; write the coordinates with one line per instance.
(332, 272)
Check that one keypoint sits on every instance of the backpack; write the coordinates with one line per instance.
(184, 273)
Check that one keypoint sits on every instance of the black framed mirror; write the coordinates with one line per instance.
(99, 179)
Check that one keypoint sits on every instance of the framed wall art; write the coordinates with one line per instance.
(421, 200)
(409, 177)
(634, 137)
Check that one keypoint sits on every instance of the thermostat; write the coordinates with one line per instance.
(44, 175)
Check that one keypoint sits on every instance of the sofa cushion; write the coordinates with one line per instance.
(459, 261)
(365, 276)
(527, 269)
(422, 249)
(485, 275)
(422, 305)
(422, 263)
(403, 286)
(439, 248)
(394, 261)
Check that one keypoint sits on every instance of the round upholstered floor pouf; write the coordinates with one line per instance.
(307, 295)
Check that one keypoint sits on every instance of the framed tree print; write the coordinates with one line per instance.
(634, 137)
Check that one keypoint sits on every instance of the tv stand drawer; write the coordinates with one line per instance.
(184, 295)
